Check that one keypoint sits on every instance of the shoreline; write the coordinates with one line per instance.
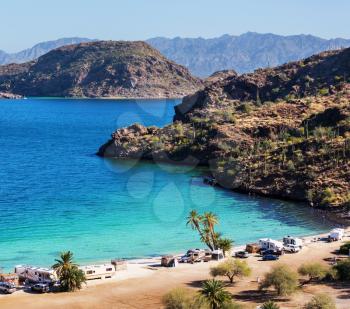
(145, 282)
(154, 261)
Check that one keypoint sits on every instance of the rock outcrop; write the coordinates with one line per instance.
(10, 96)
(100, 69)
(282, 132)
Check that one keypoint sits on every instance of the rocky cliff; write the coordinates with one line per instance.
(100, 69)
(281, 132)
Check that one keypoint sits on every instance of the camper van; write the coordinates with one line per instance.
(35, 274)
(98, 271)
(292, 244)
(336, 234)
(270, 244)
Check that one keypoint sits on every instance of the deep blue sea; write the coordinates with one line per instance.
(56, 194)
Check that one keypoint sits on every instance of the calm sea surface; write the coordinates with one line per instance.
(56, 195)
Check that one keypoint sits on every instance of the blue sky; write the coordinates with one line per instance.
(24, 23)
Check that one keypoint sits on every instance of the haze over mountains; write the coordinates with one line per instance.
(38, 50)
(203, 57)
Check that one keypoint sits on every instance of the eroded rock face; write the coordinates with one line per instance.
(10, 96)
(295, 147)
(100, 69)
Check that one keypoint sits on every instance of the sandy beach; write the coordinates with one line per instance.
(144, 283)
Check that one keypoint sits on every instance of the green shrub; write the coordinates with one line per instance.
(231, 268)
(343, 270)
(178, 298)
(282, 279)
(245, 107)
(345, 249)
(328, 197)
(321, 301)
(315, 271)
(323, 91)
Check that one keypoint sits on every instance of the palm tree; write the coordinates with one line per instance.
(210, 220)
(225, 245)
(214, 293)
(70, 276)
(270, 305)
(195, 220)
(64, 263)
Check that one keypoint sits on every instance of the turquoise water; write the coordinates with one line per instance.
(55, 194)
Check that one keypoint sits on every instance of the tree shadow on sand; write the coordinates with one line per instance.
(344, 287)
(258, 296)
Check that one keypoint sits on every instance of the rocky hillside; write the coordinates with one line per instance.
(281, 132)
(100, 69)
(243, 53)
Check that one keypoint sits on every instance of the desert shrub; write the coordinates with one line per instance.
(315, 271)
(269, 305)
(180, 298)
(290, 166)
(231, 269)
(321, 301)
(323, 91)
(282, 279)
(328, 197)
(343, 270)
(344, 249)
(245, 107)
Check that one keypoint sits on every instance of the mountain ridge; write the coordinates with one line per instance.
(205, 56)
(243, 53)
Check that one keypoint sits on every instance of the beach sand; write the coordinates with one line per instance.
(144, 284)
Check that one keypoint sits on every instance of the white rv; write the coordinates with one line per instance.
(35, 274)
(98, 271)
(294, 241)
(270, 244)
(336, 234)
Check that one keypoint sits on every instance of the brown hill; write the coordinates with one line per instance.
(100, 69)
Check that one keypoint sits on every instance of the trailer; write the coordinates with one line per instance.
(98, 271)
(336, 234)
(294, 241)
(35, 274)
(270, 244)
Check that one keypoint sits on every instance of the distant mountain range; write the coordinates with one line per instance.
(243, 53)
(203, 57)
(38, 50)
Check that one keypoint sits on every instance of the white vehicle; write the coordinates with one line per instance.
(35, 274)
(270, 244)
(98, 271)
(217, 255)
(294, 241)
(292, 248)
(336, 234)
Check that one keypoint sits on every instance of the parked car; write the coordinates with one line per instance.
(7, 288)
(41, 288)
(242, 254)
(292, 248)
(271, 252)
(270, 257)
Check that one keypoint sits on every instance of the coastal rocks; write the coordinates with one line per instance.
(10, 96)
(295, 147)
(100, 69)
